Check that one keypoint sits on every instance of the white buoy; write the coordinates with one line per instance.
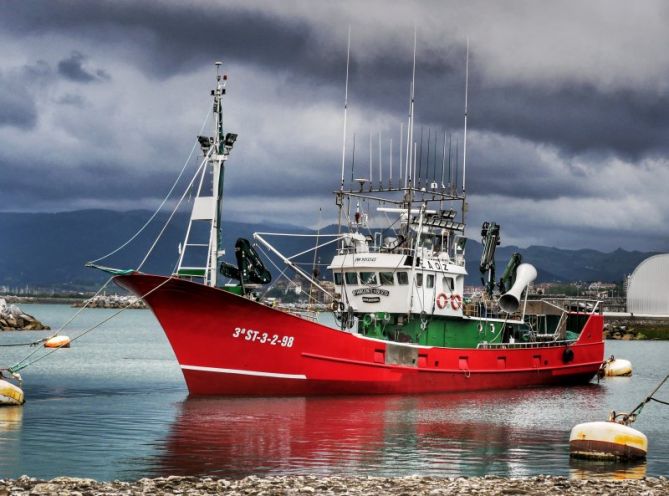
(607, 441)
(57, 342)
(616, 367)
(10, 394)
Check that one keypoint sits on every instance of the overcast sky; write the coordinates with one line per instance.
(568, 106)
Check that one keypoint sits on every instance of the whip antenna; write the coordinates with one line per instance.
(464, 151)
(343, 148)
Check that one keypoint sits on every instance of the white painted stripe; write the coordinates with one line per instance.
(244, 372)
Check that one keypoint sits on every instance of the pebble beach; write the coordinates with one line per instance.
(296, 485)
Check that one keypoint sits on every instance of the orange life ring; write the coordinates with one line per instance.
(456, 301)
(442, 300)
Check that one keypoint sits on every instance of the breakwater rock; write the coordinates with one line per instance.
(112, 301)
(304, 485)
(12, 318)
(636, 328)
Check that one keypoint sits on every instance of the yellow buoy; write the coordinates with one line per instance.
(57, 342)
(616, 367)
(10, 394)
(607, 441)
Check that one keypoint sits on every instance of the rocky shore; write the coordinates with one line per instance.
(304, 485)
(112, 301)
(12, 318)
(636, 329)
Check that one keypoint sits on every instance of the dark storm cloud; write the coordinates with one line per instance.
(174, 38)
(549, 140)
(169, 39)
(577, 118)
(72, 68)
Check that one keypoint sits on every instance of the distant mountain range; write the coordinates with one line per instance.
(50, 250)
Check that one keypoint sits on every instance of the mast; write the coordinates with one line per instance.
(215, 238)
(207, 203)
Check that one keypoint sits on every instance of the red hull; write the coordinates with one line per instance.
(229, 345)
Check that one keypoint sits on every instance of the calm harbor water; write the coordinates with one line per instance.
(114, 406)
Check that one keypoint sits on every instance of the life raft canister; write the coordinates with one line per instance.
(442, 300)
(456, 301)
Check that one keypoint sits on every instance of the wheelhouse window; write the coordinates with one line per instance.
(402, 278)
(386, 278)
(351, 278)
(367, 277)
(338, 278)
(419, 280)
(430, 281)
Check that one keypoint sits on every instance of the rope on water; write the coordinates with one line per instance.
(33, 343)
(660, 401)
(61, 328)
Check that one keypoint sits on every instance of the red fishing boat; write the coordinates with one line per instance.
(403, 324)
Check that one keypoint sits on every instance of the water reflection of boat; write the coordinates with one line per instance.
(455, 434)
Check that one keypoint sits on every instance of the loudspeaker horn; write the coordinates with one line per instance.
(509, 302)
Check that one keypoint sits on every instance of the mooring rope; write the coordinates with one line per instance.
(33, 343)
(660, 401)
(62, 327)
(628, 418)
(23, 364)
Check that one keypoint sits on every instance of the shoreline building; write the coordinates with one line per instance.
(648, 287)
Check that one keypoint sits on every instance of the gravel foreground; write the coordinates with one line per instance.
(306, 485)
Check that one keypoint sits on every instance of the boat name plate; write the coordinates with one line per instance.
(371, 291)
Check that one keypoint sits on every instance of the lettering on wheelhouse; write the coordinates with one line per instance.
(365, 259)
(371, 291)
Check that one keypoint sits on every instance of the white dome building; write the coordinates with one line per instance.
(648, 287)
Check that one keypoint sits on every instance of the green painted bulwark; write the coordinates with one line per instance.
(191, 272)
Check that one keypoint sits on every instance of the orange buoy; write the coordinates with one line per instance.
(57, 342)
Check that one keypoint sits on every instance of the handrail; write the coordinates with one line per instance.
(533, 344)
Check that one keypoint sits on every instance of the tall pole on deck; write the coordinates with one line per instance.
(343, 146)
(218, 158)
(464, 151)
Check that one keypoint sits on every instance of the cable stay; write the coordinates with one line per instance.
(31, 357)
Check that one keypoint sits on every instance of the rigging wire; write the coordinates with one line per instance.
(169, 193)
(23, 362)
(176, 207)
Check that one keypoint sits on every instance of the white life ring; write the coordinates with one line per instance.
(456, 301)
(442, 300)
